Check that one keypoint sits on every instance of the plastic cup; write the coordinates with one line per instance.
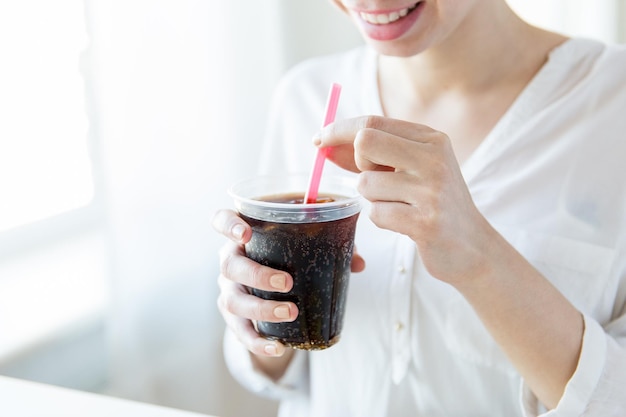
(312, 242)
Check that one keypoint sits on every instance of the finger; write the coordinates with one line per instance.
(244, 330)
(235, 266)
(228, 223)
(343, 156)
(392, 186)
(236, 301)
(395, 216)
(379, 142)
(358, 263)
(344, 131)
(377, 150)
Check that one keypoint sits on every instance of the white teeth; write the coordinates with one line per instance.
(382, 19)
(385, 18)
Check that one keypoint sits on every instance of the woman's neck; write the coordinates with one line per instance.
(484, 52)
(463, 85)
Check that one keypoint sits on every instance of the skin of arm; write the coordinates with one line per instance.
(537, 327)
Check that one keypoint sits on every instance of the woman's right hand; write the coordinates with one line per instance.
(240, 308)
(238, 274)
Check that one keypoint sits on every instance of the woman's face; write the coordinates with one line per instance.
(406, 27)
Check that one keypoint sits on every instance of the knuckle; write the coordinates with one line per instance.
(245, 333)
(257, 277)
(429, 217)
(443, 139)
(259, 311)
(222, 220)
(371, 122)
(228, 303)
(364, 147)
(435, 203)
(330, 130)
(364, 138)
(364, 182)
(439, 173)
(216, 219)
(361, 182)
(252, 308)
(382, 215)
(227, 259)
(376, 213)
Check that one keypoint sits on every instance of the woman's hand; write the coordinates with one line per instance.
(237, 274)
(410, 175)
(240, 308)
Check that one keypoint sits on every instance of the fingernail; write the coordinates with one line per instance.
(238, 230)
(278, 281)
(271, 349)
(282, 312)
(317, 140)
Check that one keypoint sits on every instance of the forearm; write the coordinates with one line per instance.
(535, 325)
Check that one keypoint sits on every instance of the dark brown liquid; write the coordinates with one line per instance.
(318, 257)
(298, 198)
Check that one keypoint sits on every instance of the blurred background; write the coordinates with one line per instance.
(122, 122)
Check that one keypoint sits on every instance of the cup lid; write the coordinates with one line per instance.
(250, 197)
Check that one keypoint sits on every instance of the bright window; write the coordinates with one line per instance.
(52, 251)
(44, 163)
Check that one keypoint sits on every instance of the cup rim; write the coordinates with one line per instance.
(253, 206)
(344, 181)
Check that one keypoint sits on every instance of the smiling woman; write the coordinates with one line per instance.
(105, 202)
(468, 129)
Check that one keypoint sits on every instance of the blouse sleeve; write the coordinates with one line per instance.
(294, 383)
(280, 153)
(598, 386)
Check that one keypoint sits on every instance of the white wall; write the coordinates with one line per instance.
(181, 93)
(598, 19)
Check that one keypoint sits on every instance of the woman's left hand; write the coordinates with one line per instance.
(411, 176)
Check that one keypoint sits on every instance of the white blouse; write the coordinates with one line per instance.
(549, 177)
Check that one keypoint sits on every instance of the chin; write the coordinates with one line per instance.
(395, 48)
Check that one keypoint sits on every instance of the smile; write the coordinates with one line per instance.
(386, 18)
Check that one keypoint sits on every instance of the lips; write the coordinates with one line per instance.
(386, 25)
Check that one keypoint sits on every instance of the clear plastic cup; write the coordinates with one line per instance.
(313, 242)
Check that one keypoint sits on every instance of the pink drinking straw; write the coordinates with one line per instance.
(318, 166)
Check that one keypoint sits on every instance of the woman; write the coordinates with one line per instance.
(490, 152)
